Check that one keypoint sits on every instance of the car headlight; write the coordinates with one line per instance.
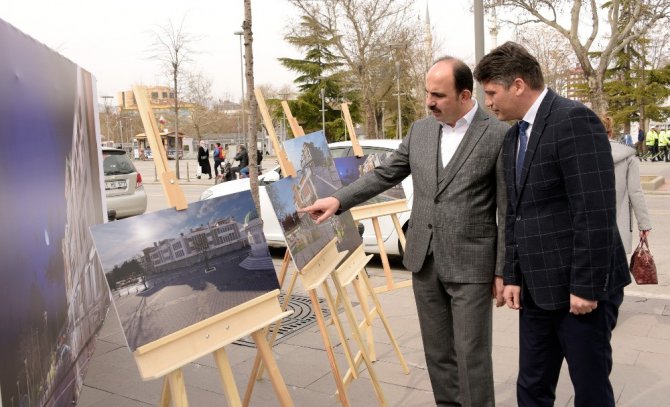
(206, 195)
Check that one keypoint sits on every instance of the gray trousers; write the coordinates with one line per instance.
(455, 322)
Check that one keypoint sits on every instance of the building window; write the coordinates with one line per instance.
(164, 95)
(171, 95)
(154, 95)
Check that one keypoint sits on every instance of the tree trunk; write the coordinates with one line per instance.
(253, 105)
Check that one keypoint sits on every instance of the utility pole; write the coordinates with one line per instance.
(479, 43)
(397, 47)
(244, 124)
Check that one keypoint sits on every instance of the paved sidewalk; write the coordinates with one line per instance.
(641, 342)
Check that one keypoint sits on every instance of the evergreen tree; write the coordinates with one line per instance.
(320, 70)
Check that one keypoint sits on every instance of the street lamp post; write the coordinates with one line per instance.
(107, 111)
(397, 74)
(397, 47)
(323, 111)
(323, 104)
(383, 102)
(244, 127)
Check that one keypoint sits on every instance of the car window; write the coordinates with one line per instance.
(337, 152)
(376, 150)
(115, 164)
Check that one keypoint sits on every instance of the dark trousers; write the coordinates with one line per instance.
(455, 321)
(217, 167)
(546, 337)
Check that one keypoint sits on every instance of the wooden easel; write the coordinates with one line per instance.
(166, 356)
(375, 211)
(315, 275)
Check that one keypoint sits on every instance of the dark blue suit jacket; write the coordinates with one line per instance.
(561, 235)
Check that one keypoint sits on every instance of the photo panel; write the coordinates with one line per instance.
(52, 290)
(304, 238)
(352, 168)
(317, 178)
(168, 270)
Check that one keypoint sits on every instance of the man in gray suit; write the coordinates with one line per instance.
(455, 236)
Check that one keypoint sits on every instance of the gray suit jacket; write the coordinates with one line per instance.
(458, 210)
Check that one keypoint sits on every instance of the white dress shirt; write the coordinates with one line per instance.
(452, 136)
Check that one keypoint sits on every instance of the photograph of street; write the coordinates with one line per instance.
(170, 269)
(317, 177)
(53, 295)
(352, 168)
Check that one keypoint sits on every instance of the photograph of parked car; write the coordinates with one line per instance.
(124, 191)
(177, 268)
(352, 168)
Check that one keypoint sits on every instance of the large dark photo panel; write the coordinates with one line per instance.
(52, 292)
(170, 269)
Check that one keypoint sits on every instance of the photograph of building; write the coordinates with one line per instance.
(317, 177)
(52, 290)
(176, 268)
(352, 168)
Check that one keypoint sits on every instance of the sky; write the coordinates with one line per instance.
(112, 39)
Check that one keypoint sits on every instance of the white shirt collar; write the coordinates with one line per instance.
(465, 120)
(532, 112)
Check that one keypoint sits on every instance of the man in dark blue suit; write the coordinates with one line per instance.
(565, 265)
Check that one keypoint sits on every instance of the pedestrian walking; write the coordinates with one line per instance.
(203, 160)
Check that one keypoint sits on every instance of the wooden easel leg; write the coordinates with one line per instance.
(357, 336)
(165, 394)
(382, 254)
(257, 371)
(227, 378)
(340, 330)
(367, 330)
(284, 267)
(176, 388)
(398, 230)
(382, 316)
(329, 348)
(273, 371)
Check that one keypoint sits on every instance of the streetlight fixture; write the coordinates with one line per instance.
(244, 127)
(397, 47)
(323, 105)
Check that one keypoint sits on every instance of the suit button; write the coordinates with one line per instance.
(518, 218)
(430, 226)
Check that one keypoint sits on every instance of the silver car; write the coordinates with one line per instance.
(123, 185)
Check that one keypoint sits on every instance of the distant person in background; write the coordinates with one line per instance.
(243, 157)
(219, 156)
(652, 144)
(629, 195)
(639, 146)
(203, 161)
(663, 141)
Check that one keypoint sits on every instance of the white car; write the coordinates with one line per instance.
(271, 228)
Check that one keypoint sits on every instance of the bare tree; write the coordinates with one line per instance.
(361, 32)
(199, 94)
(625, 21)
(172, 47)
(253, 104)
(553, 52)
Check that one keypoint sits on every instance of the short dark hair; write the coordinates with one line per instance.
(462, 73)
(508, 62)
